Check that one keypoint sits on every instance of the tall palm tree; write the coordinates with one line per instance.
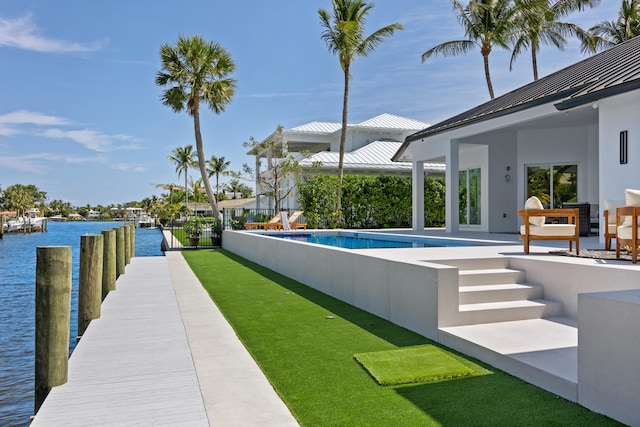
(217, 166)
(182, 157)
(486, 23)
(607, 34)
(197, 71)
(344, 36)
(537, 22)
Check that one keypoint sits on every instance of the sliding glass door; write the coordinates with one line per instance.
(469, 199)
(553, 184)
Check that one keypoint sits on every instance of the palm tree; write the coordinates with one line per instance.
(197, 71)
(536, 23)
(182, 157)
(234, 186)
(486, 23)
(170, 188)
(344, 36)
(217, 166)
(197, 190)
(607, 34)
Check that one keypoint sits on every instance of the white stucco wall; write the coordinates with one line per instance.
(617, 114)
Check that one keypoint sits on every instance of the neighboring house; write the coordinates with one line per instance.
(369, 148)
(570, 136)
(93, 214)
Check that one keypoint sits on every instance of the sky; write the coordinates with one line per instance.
(81, 116)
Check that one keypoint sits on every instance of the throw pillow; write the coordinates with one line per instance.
(534, 203)
(633, 199)
(611, 206)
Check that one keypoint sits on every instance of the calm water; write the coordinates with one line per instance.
(17, 311)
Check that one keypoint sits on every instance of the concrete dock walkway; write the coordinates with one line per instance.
(162, 354)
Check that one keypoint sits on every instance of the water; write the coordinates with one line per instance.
(361, 242)
(17, 309)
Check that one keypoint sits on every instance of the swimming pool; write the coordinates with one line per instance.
(372, 240)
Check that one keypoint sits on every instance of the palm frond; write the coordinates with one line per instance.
(450, 48)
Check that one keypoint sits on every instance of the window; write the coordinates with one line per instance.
(553, 184)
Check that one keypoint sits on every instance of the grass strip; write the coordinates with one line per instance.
(304, 342)
(417, 364)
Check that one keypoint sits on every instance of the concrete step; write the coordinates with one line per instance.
(490, 276)
(500, 292)
(493, 312)
(476, 263)
(543, 352)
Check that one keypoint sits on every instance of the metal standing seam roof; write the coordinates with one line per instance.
(317, 127)
(383, 121)
(391, 121)
(611, 72)
(375, 155)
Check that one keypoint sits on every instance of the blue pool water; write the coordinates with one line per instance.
(369, 241)
(17, 311)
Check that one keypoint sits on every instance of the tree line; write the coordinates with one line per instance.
(20, 198)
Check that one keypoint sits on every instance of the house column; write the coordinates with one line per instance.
(452, 161)
(417, 196)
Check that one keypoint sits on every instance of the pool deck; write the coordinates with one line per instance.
(162, 354)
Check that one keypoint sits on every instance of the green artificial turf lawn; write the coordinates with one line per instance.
(308, 357)
(418, 364)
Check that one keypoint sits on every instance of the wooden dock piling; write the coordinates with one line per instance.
(120, 251)
(53, 315)
(90, 282)
(133, 241)
(127, 244)
(108, 262)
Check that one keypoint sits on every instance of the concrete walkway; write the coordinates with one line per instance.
(161, 355)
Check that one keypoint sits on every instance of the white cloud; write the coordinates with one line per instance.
(128, 167)
(7, 131)
(26, 163)
(91, 139)
(29, 117)
(33, 163)
(22, 33)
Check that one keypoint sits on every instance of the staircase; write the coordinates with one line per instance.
(491, 292)
(505, 322)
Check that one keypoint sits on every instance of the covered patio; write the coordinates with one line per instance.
(563, 138)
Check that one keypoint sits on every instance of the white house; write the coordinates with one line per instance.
(369, 148)
(576, 131)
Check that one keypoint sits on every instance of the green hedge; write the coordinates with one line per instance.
(369, 202)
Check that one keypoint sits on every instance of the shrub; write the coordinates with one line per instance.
(368, 202)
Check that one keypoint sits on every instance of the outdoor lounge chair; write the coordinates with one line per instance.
(294, 221)
(627, 225)
(627, 236)
(273, 223)
(534, 227)
(610, 227)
